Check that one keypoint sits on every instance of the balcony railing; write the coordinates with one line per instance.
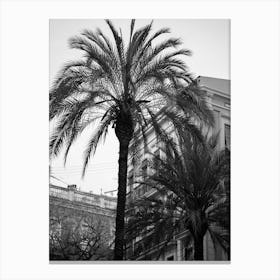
(84, 197)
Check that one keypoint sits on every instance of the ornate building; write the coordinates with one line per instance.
(81, 224)
(217, 92)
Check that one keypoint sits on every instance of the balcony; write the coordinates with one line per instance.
(73, 194)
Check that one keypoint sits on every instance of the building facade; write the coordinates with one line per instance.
(82, 224)
(217, 93)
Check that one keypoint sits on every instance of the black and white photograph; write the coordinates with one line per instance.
(139, 141)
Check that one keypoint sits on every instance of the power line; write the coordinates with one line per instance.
(87, 171)
(79, 165)
(59, 180)
(88, 168)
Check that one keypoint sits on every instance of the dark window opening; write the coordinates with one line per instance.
(130, 181)
(227, 136)
(157, 153)
(144, 169)
(171, 258)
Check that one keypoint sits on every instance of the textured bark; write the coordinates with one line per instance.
(119, 236)
(198, 248)
(124, 132)
(198, 235)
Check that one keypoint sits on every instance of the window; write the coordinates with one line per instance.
(144, 169)
(130, 180)
(133, 159)
(141, 191)
(145, 189)
(138, 191)
(170, 258)
(156, 158)
(227, 136)
(188, 253)
(217, 121)
(164, 151)
(157, 153)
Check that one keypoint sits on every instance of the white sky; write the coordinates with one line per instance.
(209, 41)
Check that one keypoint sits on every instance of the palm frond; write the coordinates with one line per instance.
(131, 29)
(186, 178)
(92, 52)
(118, 41)
(95, 138)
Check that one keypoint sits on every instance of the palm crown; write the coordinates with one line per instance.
(116, 84)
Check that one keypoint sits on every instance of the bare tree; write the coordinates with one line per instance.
(78, 236)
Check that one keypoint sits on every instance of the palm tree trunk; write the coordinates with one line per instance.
(198, 248)
(122, 181)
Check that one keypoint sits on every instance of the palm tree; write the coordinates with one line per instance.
(192, 183)
(123, 86)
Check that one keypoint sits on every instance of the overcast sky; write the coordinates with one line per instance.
(209, 41)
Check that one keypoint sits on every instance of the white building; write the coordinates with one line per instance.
(218, 98)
